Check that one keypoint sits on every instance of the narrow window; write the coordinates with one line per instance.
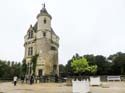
(44, 20)
(30, 34)
(30, 51)
(44, 34)
(53, 48)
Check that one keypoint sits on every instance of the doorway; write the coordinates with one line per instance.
(40, 72)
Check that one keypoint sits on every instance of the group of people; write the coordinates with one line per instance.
(31, 79)
(26, 78)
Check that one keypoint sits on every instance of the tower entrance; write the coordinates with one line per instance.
(40, 72)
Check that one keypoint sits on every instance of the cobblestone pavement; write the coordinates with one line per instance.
(107, 87)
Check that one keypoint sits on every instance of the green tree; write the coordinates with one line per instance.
(102, 64)
(90, 59)
(9, 70)
(24, 67)
(80, 65)
(62, 70)
(119, 60)
(68, 69)
(118, 63)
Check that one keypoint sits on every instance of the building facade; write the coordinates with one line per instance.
(41, 40)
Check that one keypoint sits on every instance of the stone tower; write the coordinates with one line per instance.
(42, 41)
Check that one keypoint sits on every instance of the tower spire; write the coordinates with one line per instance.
(44, 6)
(43, 11)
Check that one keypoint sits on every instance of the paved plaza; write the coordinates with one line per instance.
(107, 87)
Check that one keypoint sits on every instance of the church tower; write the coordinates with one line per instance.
(42, 42)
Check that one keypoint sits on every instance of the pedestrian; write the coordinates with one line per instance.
(56, 78)
(15, 80)
(31, 79)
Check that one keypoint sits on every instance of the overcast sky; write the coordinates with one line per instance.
(84, 26)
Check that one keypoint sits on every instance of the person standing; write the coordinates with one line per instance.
(15, 80)
(56, 78)
(31, 79)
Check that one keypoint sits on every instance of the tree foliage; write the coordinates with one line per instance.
(87, 64)
(24, 67)
(80, 65)
(61, 70)
(112, 65)
(118, 61)
(9, 69)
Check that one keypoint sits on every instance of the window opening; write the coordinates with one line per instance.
(30, 51)
(30, 34)
(44, 34)
(44, 21)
